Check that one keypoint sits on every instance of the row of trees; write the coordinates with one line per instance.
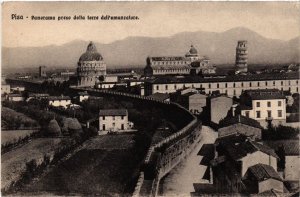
(6, 147)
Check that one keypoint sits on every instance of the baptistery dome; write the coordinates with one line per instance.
(91, 54)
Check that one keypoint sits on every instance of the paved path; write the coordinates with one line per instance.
(180, 180)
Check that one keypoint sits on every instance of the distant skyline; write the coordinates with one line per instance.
(275, 20)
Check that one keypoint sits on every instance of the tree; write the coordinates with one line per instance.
(281, 154)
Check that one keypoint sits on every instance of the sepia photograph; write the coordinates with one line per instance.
(150, 99)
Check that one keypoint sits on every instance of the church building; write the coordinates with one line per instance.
(90, 67)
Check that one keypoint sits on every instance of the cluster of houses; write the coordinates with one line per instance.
(110, 120)
(239, 161)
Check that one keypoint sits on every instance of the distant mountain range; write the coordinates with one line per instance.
(133, 51)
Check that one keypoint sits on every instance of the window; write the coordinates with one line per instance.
(103, 127)
(258, 84)
(269, 104)
(122, 117)
(209, 86)
(225, 85)
(175, 87)
(257, 104)
(282, 83)
(269, 113)
(257, 114)
(157, 87)
(218, 85)
(266, 83)
(234, 85)
(122, 126)
(166, 87)
(242, 84)
(273, 83)
(279, 103)
(234, 92)
(247, 114)
(250, 84)
(279, 113)
(103, 118)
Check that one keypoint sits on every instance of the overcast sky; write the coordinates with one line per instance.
(277, 20)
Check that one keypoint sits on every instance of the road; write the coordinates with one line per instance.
(180, 180)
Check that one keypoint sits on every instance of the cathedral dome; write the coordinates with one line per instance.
(193, 50)
(91, 54)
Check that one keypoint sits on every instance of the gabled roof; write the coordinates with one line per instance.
(239, 120)
(238, 148)
(113, 112)
(262, 172)
(291, 147)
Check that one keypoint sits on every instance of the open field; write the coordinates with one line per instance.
(98, 168)
(9, 136)
(13, 163)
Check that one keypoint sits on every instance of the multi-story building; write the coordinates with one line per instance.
(90, 66)
(230, 85)
(219, 107)
(114, 120)
(264, 105)
(191, 63)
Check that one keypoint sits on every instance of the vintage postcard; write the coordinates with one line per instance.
(150, 98)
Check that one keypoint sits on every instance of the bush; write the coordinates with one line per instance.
(280, 133)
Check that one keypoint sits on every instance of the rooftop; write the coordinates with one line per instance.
(264, 94)
(113, 112)
(239, 119)
(59, 98)
(234, 78)
(168, 58)
(291, 146)
(262, 172)
(159, 96)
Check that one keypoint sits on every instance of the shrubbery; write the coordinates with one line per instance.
(280, 133)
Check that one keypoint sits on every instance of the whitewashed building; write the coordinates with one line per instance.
(114, 120)
(59, 101)
(264, 105)
(230, 85)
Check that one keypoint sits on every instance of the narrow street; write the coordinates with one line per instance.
(180, 180)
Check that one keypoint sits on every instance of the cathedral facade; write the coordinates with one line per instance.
(191, 63)
(90, 67)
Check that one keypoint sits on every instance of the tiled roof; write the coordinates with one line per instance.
(262, 172)
(234, 78)
(240, 150)
(113, 112)
(169, 58)
(291, 147)
(159, 96)
(239, 119)
(170, 67)
(59, 98)
(261, 94)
